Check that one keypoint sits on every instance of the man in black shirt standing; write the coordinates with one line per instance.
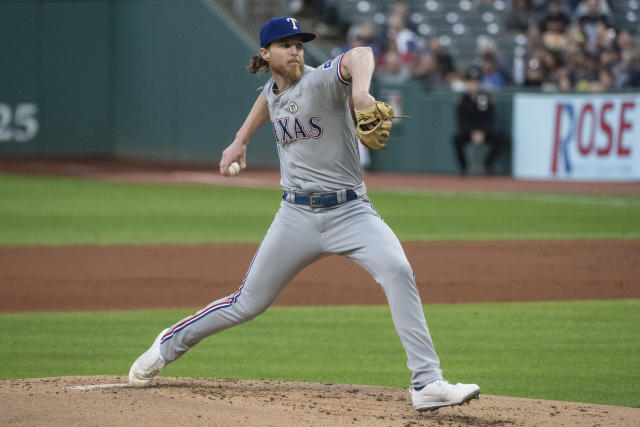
(476, 118)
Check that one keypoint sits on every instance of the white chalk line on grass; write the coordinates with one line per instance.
(91, 387)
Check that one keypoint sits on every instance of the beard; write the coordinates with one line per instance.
(291, 71)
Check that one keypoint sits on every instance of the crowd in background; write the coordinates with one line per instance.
(567, 45)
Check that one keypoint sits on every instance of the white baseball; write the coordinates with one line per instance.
(234, 169)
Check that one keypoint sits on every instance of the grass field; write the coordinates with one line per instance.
(63, 211)
(576, 351)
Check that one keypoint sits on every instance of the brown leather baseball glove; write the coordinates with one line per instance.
(373, 125)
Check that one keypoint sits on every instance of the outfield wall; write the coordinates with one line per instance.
(55, 79)
(155, 79)
(423, 143)
(164, 80)
(180, 88)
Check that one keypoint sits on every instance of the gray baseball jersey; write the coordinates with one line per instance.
(314, 133)
(318, 154)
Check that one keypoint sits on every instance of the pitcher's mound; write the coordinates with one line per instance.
(105, 400)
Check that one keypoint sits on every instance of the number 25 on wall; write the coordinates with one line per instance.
(18, 125)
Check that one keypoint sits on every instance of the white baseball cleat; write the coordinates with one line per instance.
(147, 366)
(440, 393)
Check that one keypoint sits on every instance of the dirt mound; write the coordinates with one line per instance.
(105, 400)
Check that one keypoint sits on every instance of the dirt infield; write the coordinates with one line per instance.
(146, 277)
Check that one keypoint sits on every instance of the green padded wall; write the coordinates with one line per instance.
(55, 57)
(165, 80)
(181, 87)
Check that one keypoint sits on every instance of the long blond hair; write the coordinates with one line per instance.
(257, 65)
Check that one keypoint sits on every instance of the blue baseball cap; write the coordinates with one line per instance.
(279, 28)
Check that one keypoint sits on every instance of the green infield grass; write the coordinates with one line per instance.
(585, 351)
(576, 351)
(67, 211)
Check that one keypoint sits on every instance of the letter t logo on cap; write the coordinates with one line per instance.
(293, 22)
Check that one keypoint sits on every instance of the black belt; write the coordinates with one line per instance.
(321, 200)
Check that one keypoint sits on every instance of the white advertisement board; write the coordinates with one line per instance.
(594, 137)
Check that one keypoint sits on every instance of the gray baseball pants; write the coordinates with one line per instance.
(299, 236)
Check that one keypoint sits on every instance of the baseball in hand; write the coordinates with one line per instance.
(234, 169)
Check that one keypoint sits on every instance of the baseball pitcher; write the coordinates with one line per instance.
(324, 208)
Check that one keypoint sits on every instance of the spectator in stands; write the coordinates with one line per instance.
(559, 54)
(555, 20)
(533, 75)
(585, 73)
(362, 35)
(476, 117)
(328, 24)
(625, 43)
(519, 18)
(591, 21)
(555, 75)
(604, 83)
(609, 59)
(575, 35)
(397, 17)
(434, 66)
(491, 80)
(401, 39)
(563, 82)
(539, 6)
(605, 39)
(424, 68)
(633, 73)
(534, 38)
(487, 51)
(569, 6)
(574, 59)
(401, 10)
(572, 6)
(443, 60)
(553, 26)
(393, 70)
(627, 74)
(591, 7)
